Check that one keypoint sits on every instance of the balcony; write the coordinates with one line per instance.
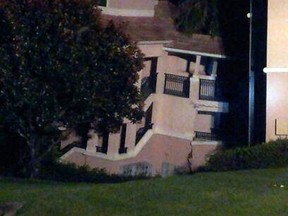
(210, 90)
(148, 85)
(212, 136)
(177, 85)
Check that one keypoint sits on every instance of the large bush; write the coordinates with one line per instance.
(271, 154)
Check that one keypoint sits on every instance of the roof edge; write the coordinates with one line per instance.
(168, 49)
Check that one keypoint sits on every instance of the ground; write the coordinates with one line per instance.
(255, 192)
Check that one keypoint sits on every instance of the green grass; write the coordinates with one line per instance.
(228, 193)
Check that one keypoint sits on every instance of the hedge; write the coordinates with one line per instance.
(266, 155)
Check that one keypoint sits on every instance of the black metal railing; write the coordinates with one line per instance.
(72, 145)
(148, 124)
(210, 90)
(101, 149)
(105, 141)
(148, 85)
(206, 136)
(207, 89)
(141, 132)
(123, 150)
(177, 85)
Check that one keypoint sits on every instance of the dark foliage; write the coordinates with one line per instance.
(271, 154)
(198, 16)
(14, 154)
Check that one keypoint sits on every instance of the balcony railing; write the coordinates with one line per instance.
(148, 124)
(72, 145)
(177, 85)
(210, 90)
(148, 85)
(141, 132)
(105, 141)
(207, 136)
(123, 150)
(101, 149)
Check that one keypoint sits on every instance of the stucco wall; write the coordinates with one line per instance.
(159, 149)
(277, 57)
(277, 103)
(175, 116)
(277, 53)
(204, 123)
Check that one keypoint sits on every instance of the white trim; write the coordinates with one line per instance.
(194, 53)
(116, 157)
(211, 106)
(206, 142)
(185, 136)
(275, 70)
(126, 12)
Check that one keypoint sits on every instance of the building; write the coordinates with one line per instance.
(277, 71)
(185, 106)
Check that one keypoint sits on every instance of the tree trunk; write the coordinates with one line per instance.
(34, 164)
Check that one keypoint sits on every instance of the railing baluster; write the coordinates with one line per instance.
(207, 90)
(206, 136)
(176, 85)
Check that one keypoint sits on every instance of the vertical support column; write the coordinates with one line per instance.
(214, 69)
(130, 136)
(162, 69)
(194, 88)
(113, 144)
(197, 67)
(92, 142)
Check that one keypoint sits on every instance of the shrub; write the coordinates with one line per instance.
(71, 173)
(271, 154)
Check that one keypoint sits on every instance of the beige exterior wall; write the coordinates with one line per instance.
(277, 57)
(277, 54)
(204, 123)
(175, 116)
(277, 105)
(158, 150)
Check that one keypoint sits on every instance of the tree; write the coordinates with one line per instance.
(60, 66)
(198, 16)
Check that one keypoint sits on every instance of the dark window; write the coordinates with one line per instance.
(122, 148)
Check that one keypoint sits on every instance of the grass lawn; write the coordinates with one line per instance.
(228, 193)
